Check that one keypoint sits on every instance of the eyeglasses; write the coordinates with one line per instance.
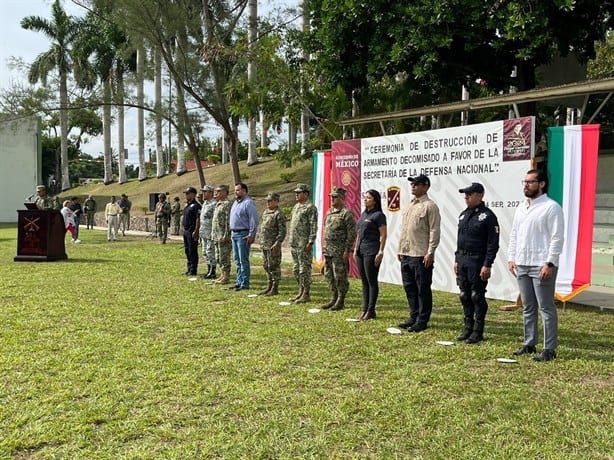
(528, 182)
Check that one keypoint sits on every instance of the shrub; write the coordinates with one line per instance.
(287, 177)
(213, 158)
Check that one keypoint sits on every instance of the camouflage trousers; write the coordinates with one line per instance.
(124, 221)
(223, 251)
(90, 219)
(271, 261)
(162, 229)
(301, 267)
(176, 224)
(336, 271)
(208, 251)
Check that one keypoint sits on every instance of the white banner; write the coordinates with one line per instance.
(496, 154)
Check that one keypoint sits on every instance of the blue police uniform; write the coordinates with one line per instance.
(477, 246)
(191, 215)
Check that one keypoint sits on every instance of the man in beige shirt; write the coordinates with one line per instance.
(417, 243)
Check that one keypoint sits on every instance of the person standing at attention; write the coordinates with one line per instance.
(243, 227)
(77, 210)
(90, 211)
(206, 221)
(191, 222)
(418, 241)
(220, 232)
(339, 239)
(176, 213)
(111, 215)
(124, 218)
(536, 242)
(476, 249)
(303, 229)
(272, 235)
(369, 250)
(162, 215)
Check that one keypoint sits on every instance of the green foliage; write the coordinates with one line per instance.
(167, 368)
(287, 210)
(263, 151)
(287, 177)
(213, 158)
(288, 156)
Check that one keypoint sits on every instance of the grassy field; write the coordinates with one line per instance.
(114, 354)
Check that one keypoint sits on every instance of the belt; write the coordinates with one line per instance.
(112, 215)
(469, 253)
(239, 229)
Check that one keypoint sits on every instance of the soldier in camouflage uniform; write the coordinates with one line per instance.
(43, 201)
(90, 211)
(303, 229)
(220, 232)
(163, 216)
(176, 215)
(272, 235)
(206, 221)
(339, 236)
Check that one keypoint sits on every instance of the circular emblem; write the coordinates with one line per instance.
(346, 178)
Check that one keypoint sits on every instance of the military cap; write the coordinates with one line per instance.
(475, 187)
(421, 179)
(337, 192)
(190, 190)
(124, 195)
(207, 188)
(221, 187)
(162, 195)
(301, 188)
(272, 196)
(41, 188)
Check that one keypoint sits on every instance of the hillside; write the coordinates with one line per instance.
(260, 179)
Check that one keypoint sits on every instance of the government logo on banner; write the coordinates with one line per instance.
(393, 197)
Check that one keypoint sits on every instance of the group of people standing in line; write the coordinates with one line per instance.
(536, 242)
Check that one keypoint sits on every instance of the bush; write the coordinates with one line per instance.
(263, 151)
(288, 156)
(213, 158)
(287, 177)
(287, 210)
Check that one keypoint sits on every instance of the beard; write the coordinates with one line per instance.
(531, 193)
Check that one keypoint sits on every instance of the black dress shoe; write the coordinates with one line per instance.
(525, 350)
(417, 328)
(545, 355)
(406, 325)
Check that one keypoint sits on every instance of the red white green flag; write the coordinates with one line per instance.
(572, 170)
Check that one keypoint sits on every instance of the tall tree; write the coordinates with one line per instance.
(61, 30)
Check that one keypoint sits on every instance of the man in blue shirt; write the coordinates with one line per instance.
(243, 226)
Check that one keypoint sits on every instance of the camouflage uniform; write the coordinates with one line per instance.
(176, 214)
(162, 215)
(90, 211)
(220, 234)
(44, 202)
(124, 217)
(339, 237)
(272, 233)
(303, 229)
(206, 223)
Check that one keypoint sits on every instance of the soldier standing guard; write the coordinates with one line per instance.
(477, 246)
(162, 215)
(339, 237)
(303, 229)
(206, 221)
(272, 235)
(176, 213)
(90, 210)
(220, 232)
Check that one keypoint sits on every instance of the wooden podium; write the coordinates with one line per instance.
(40, 236)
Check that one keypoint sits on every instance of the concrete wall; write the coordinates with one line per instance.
(20, 164)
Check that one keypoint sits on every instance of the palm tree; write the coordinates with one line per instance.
(61, 30)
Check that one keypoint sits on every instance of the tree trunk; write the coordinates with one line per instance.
(121, 143)
(158, 114)
(182, 124)
(140, 77)
(106, 130)
(252, 153)
(305, 112)
(64, 130)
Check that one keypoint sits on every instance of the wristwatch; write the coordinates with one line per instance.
(550, 264)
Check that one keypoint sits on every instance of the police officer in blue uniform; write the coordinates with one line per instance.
(477, 246)
(191, 225)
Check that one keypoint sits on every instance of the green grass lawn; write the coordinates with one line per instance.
(114, 354)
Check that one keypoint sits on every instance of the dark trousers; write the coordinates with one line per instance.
(417, 281)
(472, 288)
(191, 251)
(368, 274)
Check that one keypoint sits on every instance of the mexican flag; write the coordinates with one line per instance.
(320, 190)
(572, 170)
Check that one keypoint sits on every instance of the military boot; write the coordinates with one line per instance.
(333, 299)
(478, 333)
(368, 314)
(305, 298)
(299, 294)
(339, 303)
(268, 289)
(211, 275)
(207, 275)
(273, 291)
(467, 331)
(225, 278)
